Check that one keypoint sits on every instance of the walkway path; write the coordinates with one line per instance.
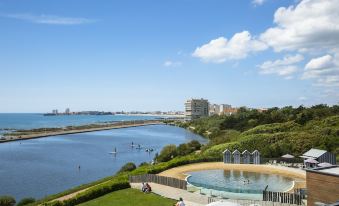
(190, 199)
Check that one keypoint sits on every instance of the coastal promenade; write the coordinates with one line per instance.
(46, 132)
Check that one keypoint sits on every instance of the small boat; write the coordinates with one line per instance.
(114, 152)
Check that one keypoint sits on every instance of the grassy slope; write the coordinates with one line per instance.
(280, 138)
(129, 197)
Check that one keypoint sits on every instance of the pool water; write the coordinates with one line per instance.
(234, 181)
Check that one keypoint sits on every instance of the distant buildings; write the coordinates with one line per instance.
(222, 109)
(67, 111)
(55, 111)
(214, 109)
(196, 108)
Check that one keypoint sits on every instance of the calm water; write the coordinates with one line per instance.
(237, 181)
(38, 167)
(29, 121)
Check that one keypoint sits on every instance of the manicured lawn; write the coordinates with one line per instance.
(130, 197)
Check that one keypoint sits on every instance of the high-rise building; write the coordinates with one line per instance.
(67, 111)
(196, 108)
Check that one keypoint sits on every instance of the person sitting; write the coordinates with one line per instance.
(180, 202)
(148, 188)
(143, 188)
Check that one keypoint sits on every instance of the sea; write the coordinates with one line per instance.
(40, 167)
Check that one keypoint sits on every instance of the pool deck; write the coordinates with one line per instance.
(298, 175)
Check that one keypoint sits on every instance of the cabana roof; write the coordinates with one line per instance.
(313, 153)
(255, 151)
(226, 150)
(246, 152)
(236, 152)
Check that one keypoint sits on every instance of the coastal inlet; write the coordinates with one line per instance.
(44, 166)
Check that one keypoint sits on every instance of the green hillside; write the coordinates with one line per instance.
(274, 132)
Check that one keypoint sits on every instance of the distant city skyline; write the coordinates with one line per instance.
(154, 55)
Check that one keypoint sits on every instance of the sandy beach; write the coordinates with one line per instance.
(298, 175)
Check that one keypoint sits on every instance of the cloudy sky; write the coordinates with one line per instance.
(152, 55)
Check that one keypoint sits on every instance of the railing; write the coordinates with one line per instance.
(168, 181)
(282, 197)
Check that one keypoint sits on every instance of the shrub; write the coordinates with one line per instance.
(7, 201)
(194, 144)
(97, 191)
(130, 166)
(26, 201)
(167, 153)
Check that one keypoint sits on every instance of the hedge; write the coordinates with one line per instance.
(118, 183)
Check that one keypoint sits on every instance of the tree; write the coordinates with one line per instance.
(130, 166)
(7, 201)
(194, 144)
(183, 149)
(167, 153)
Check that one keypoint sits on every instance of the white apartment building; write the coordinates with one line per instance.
(196, 108)
(214, 109)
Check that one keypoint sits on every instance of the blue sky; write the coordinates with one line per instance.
(153, 55)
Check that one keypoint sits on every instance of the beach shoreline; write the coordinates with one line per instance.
(43, 134)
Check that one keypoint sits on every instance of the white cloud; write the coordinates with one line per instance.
(320, 62)
(49, 19)
(324, 69)
(221, 49)
(169, 63)
(282, 67)
(258, 2)
(310, 25)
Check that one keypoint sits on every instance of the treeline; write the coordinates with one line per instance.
(274, 132)
(245, 118)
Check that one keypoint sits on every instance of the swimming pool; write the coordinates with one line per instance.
(237, 183)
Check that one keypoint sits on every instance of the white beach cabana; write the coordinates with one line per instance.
(227, 156)
(236, 156)
(246, 157)
(256, 157)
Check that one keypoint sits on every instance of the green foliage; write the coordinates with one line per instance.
(167, 153)
(194, 144)
(249, 118)
(7, 201)
(26, 201)
(171, 151)
(274, 140)
(130, 166)
(274, 132)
